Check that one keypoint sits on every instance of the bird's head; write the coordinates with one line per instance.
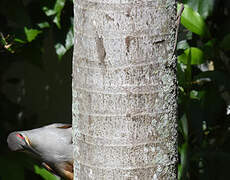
(18, 141)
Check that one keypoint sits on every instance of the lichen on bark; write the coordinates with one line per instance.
(124, 89)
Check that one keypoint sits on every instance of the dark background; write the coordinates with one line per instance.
(36, 39)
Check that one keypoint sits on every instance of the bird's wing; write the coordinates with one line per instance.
(58, 125)
(65, 126)
(66, 170)
(48, 168)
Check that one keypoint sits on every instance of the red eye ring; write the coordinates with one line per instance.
(20, 136)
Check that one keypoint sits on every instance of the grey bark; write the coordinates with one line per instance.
(124, 90)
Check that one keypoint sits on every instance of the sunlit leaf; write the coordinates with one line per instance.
(44, 173)
(193, 21)
(69, 41)
(48, 12)
(196, 94)
(31, 34)
(19, 40)
(43, 25)
(182, 45)
(60, 50)
(2, 40)
(58, 6)
(58, 9)
(189, 35)
(6, 45)
(197, 56)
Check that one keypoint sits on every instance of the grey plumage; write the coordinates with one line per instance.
(51, 144)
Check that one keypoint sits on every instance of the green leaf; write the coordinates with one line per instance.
(44, 173)
(19, 40)
(43, 25)
(58, 9)
(31, 34)
(203, 7)
(181, 74)
(189, 35)
(197, 94)
(225, 43)
(210, 43)
(2, 39)
(58, 6)
(69, 41)
(184, 161)
(184, 125)
(206, 8)
(188, 70)
(48, 12)
(182, 45)
(60, 50)
(56, 20)
(197, 56)
(193, 94)
(209, 49)
(193, 21)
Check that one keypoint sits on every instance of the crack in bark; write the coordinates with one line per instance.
(100, 50)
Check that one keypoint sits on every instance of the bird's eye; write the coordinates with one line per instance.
(20, 136)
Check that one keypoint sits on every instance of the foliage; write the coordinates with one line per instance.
(204, 90)
(45, 174)
(35, 20)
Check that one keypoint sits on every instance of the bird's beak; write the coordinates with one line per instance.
(29, 147)
(28, 142)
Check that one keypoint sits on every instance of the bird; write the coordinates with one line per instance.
(51, 145)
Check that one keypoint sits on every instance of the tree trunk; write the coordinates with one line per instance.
(124, 90)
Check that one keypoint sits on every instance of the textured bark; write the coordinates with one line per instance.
(124, 90)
